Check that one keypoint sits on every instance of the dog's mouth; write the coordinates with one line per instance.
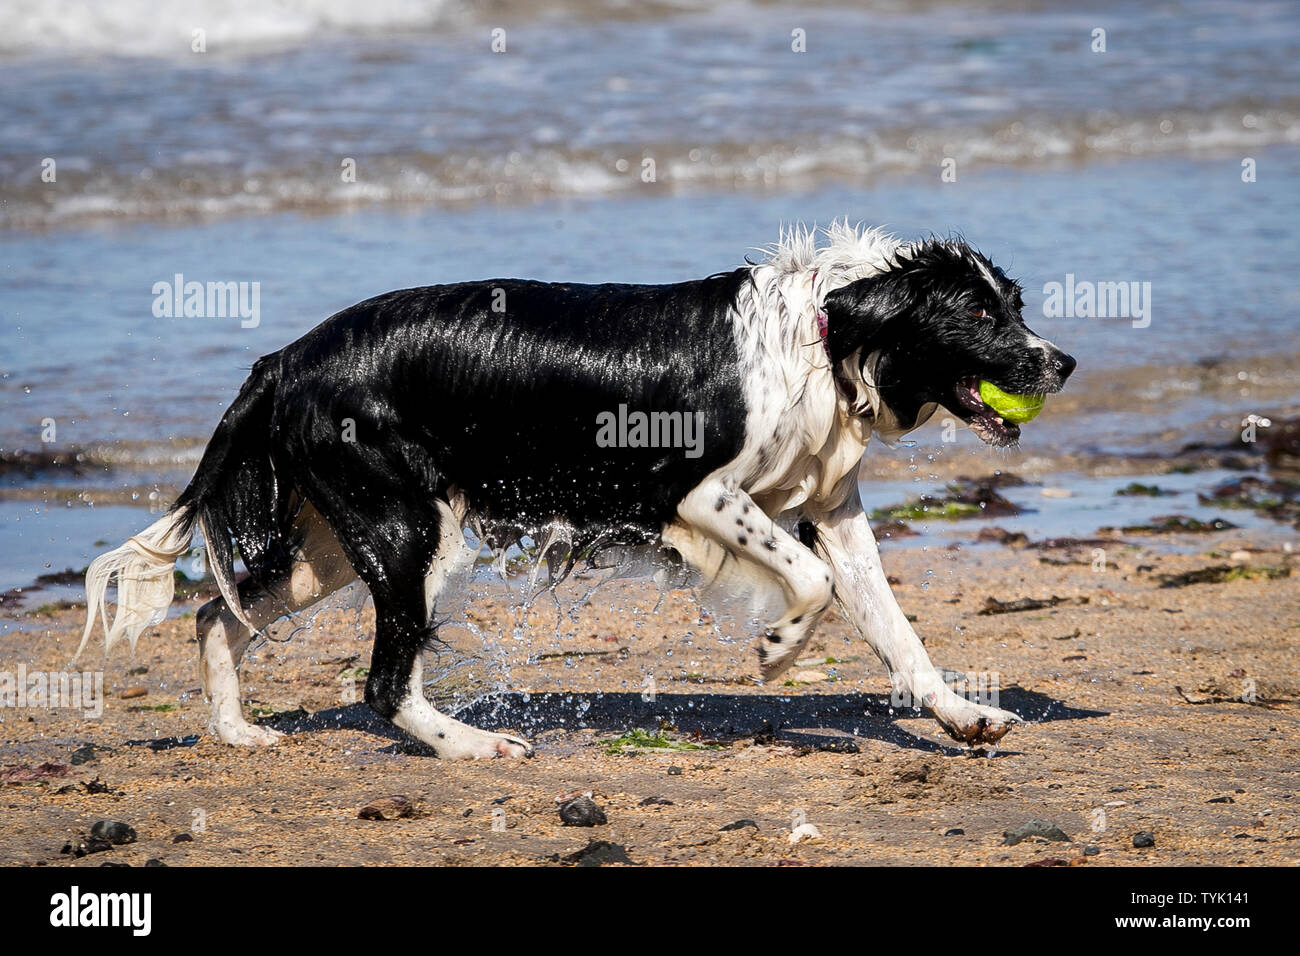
(982, 419)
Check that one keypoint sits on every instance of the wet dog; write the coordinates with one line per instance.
(720, 420)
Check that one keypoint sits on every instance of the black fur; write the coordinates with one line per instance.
(397, 402)
(922, 321)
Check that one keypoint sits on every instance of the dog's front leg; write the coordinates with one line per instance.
(845, 540)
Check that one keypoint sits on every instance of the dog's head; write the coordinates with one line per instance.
(925, 331)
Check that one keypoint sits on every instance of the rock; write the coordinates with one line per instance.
(804, 831)
(1144, 839)
(154, 863)
(1091, 850)
(114, 831)
(183, 838)
(740, 825)
(84, 755)
(1034, 828)
(86, 846)
(655, 802)
(131, 693)
(674, 771)
(809, 677)
(581, 812)
(955, 831)
(395, 807)
(1223, 799)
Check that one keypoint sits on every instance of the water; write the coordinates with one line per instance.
(718, 98)
(225, 166)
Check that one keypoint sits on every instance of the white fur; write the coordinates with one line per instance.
(145, 586)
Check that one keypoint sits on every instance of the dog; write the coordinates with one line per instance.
(366, 447)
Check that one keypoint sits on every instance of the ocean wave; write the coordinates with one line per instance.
(206, 186)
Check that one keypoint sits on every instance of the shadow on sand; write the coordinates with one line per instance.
(821, 721)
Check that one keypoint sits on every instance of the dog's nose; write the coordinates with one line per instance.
(1065, 365)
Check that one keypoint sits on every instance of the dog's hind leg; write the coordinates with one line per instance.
(730, 518)
(319, 570)
(403, 544)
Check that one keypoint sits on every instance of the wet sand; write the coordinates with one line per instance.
(1134, 692)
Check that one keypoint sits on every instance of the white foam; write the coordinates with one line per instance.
(148, 28)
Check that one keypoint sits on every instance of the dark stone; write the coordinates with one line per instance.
(581, 812)
(114, 831)
(1034, 828)
(1142, 840)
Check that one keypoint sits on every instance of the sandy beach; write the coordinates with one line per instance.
(1151, 707)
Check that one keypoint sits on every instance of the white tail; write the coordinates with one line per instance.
(145, 583)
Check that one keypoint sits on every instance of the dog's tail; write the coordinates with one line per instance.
(234, 494)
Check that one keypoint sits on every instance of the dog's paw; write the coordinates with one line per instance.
(780, 647)
(976, 724)
(473, 744)
(244, 734)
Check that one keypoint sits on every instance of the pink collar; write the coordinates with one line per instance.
(823, 324)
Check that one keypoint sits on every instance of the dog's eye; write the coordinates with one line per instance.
(980, 314)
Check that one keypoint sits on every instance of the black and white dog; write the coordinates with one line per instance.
(363, 449)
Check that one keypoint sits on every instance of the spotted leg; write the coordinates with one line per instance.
(730, 518)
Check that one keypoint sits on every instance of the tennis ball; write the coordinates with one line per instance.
(1014, 409)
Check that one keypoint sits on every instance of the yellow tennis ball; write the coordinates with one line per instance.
(1014, 409)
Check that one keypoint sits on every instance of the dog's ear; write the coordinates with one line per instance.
(861, 314)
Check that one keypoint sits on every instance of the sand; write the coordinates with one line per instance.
(1134, 692)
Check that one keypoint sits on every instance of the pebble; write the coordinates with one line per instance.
(955, 831)
(183, 838)
(1142, 840)
(133, 692)
(674, 771)
(804, 831)
(655, 802)
(396, 807)
(84, 755)
(1034, 828)
(810, 677)
(582, 812)
(1091, 850)
(114, 831)
(87, 846)
(740, 825)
